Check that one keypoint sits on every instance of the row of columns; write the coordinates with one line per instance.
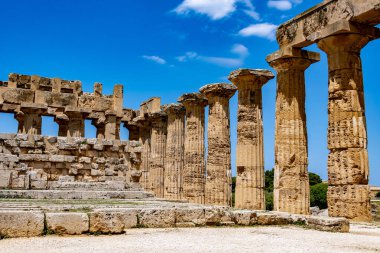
(70, 123)
(348, 170)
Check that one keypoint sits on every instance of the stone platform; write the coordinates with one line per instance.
(36, 217)
(73, 194)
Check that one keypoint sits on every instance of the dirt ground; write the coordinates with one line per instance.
(362, 238)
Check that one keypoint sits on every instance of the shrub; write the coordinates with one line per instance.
(318, 195)
(314, 179)
(269, 201)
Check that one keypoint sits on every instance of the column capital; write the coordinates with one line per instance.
(174, 109)
(251, 78)
(345, 42)
(292, 58)
(224, 90)
(190, 99)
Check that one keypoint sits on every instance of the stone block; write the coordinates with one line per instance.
(194, 215)
(244, 217)
(267, 218)
(348, 166)
(21, 223)
(157, 218)
(341, 225)
(111, 221)
(349, 201)
(18, 96)
(67, 223)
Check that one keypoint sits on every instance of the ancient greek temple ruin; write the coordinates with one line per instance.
(165, 155)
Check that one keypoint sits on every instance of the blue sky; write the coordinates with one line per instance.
(169, 47)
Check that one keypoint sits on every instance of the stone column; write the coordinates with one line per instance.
(144, 138)
(218, 169)
(250, 179)
(29, 121)
(174, 151)
(157, 152)
(194, 168)
(348, 193)
(112, 126)
(291, 180)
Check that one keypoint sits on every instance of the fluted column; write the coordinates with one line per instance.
(174, 157)
(194, 168)
(250, 180)
(348, 169)
(291, 180)
(157, 153)
(218, 169)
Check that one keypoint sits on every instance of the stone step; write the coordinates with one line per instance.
(73, 194)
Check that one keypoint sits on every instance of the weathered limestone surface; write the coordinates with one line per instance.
(157, 155)
(38, 162)
(291, 181)
(14, 223)
(250, 155)
(194, 168)
(174, 156)
(218, 180)
(347, 134)
(67, 223)
(298, 32)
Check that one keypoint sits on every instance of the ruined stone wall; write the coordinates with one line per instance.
(42, 162)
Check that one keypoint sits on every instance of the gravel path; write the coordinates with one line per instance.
(252, 239)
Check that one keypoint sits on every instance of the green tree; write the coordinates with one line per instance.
(269, 177)
(233, 184)
(314, 179)
(378, 195)
(318, 195)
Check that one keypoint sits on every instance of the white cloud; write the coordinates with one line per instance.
(237, 49)
(282, 5)
(216, 9)
(154, 58)
(212, 8)
(263, 30)
(240, 49)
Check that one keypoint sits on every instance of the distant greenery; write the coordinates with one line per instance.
(314, 179)
(318, 190)
(378, 195)
(318, 195)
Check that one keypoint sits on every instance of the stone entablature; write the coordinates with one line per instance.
(299, 31)
(42, 162)
(31, 97)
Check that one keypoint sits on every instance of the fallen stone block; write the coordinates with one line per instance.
(21, 223)
(67, 223)
(269, 218)
(328, 224)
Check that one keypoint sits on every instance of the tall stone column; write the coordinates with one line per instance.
(218, 169)
(144, 138)
(157, 152)
(291, 177)
(194, 168)
(250, 180)
(348, 192)
(174, 151)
